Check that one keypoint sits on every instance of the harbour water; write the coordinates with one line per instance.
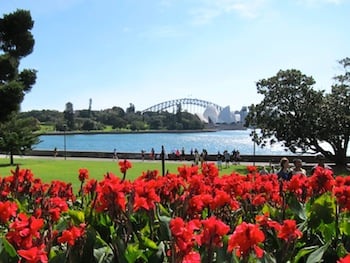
(135, 142)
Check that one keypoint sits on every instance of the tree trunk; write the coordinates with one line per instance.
(11, 158)
(340, 160)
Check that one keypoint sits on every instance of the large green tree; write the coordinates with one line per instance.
(17, 135)
(16, 42)
(303, 119)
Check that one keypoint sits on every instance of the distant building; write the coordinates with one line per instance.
(225, 116)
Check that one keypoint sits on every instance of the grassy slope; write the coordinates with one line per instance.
(49, 169)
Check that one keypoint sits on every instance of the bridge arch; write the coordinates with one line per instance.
(183, 102)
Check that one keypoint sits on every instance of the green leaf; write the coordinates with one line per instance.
(159, 256)
(77, 216)
(133, 253)
(344, 226)
(303, 252)
(5, 245)
(149, 243)
(317, 255)
(297, 208)
(322, 210)
(164, 229)
(103, 255)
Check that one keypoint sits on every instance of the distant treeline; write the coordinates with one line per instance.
(113, 119)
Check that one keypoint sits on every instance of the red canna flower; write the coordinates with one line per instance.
(342, 192)
(83, 174)
(289, 231)
(321, 181)
(183, 234)
(90, 186)
(124, 166)
(24, 231)
(34, 254)
(145, 195)
(252, 169)
(213, 232)
(111, 195)
(71, 235)
(192, 257)
(7, 210)
(221, 198)
(345, 259)
(246, 238)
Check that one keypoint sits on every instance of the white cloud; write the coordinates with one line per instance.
(320, 2)
(211, 9)
(163, 32)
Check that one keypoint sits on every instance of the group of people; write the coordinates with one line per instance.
(286, 172)
(226, 158)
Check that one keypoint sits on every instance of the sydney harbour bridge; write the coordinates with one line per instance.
(212, 112)
(187, 104)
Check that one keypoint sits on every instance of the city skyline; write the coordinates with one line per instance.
(122, 52)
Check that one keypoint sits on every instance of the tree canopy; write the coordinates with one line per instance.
(301, 118)
(16, 42)
(17, 135)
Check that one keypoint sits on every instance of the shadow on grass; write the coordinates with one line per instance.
(9, 165)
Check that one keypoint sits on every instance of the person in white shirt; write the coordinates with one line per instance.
(298, 169)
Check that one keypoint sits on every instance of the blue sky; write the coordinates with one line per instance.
(143, 52)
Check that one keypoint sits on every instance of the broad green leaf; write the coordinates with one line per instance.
(164, 229)
(322, 210)
(133, 253)
(297, 208)
(77, 216)
(103, 255)
(149, 243)
(159, 256)
(303, 252)
(5, 245)
(344, 226)
(268, 258)
(328, 231)
(317, 255)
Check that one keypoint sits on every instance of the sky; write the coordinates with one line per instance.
(145, 52)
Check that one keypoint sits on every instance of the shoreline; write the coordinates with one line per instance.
(126, 132)
(246, 158)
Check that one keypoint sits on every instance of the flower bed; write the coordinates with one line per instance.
(192, 216)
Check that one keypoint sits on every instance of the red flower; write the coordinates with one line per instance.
(34, 254)
(245, 238)
(72, 235)
(183, 234)
(111, 195)
(252, 169)
(83, 174)
(24, 231)
(192, 257)
(90, 186)
(213, 231)
(289, 231)
(124, 166)
(7, 210)
(345, 259)
(145, 195)
(321, 181)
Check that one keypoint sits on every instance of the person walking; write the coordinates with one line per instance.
(284, 173)
(298, 169)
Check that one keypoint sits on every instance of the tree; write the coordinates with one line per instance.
(16, 42)
(17, 135)
(301, 118)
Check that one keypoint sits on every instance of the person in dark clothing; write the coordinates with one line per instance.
(284, 173)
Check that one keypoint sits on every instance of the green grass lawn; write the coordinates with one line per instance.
(49, 169)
